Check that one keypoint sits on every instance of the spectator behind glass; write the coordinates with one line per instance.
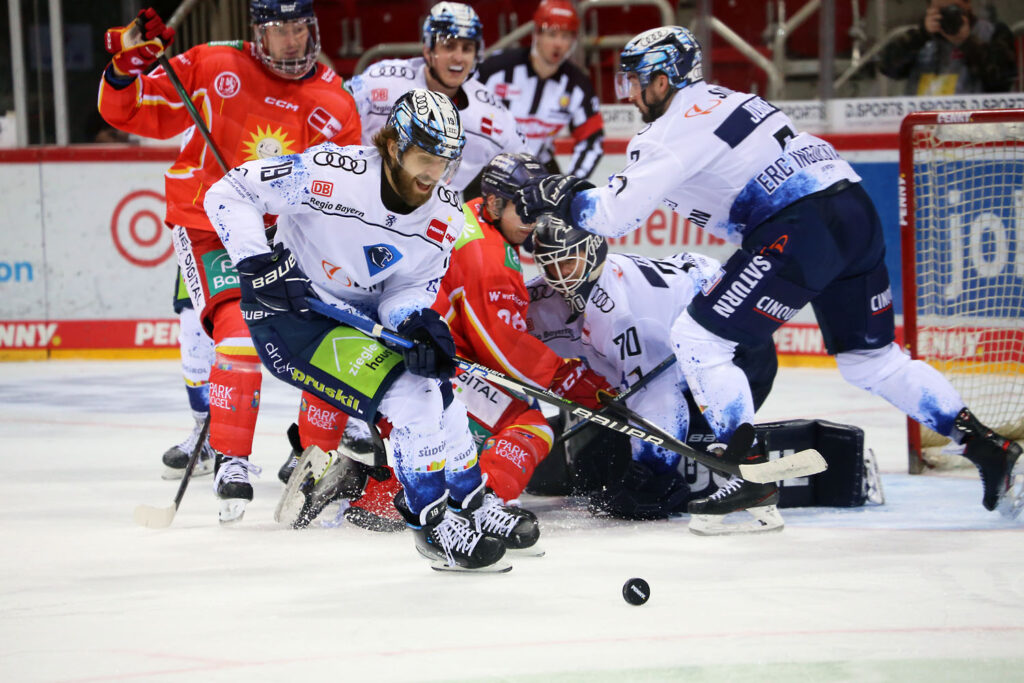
(953, 51)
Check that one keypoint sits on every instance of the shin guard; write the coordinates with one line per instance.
(235, 381)
(509, 459)
(320, 423)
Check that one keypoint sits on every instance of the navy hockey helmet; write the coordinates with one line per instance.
(429, 120)
(506, 173)
(285, 21)
(671, 50)
(449, 20)
(570, 259)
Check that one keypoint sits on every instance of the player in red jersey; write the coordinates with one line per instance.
(258, 99)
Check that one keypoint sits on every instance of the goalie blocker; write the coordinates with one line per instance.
(599, 465)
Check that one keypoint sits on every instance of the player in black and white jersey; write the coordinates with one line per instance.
(371, 230)
(807, 231)
(617, 311)
(546, 92)
(452, 43)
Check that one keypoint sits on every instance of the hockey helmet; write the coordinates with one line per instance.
(277, 16)
(556, 14)
(555, 242)
(506, 173)
(448, 20)
(429, 120)
(671, 50)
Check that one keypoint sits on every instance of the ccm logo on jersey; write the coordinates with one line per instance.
(281, 103)
(322, 188)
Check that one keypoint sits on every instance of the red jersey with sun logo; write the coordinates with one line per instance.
(251, 114)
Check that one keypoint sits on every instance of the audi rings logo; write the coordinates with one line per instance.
(345, 163)
(138, 230)
(449, 197)
(392, 71)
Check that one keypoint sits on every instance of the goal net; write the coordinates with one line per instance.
(962, 223)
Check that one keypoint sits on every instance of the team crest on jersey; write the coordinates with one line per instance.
(381, 256)
(264, 143)
(324, 123)
(487, 126)
(227, 84)
(436, 230)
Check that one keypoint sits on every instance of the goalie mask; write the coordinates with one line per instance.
(570, 259)
(286, 35)
(430, 121)
(671, 50)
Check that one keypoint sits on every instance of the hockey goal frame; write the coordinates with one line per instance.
(907, 223)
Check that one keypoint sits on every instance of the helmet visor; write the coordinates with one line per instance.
(428, 168)
(625, 84)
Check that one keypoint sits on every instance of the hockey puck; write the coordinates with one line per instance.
(636, 591)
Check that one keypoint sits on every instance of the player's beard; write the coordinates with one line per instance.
(654, 109)
(406, 185)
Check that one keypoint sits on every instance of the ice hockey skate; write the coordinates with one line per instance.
(231, 482)
(318, 480)
(285, 471)
(176, 457)
(998, 463)
(708, 515)
(517, 528)
(450, 541)
(375, 509)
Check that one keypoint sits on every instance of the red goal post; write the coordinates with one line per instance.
(961, 199)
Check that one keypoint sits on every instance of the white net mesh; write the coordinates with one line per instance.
(968, 189)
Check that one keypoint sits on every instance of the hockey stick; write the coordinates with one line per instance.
(161, 518)
(176, 82)
(797, 465)
(619, 398)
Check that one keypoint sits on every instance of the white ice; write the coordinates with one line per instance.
(926, 587)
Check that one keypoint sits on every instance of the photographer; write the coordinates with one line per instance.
(953, 51)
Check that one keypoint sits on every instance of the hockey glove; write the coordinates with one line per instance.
(432, 354)
(576, 382)
(553, 194)
(275, 282)
(136, 46)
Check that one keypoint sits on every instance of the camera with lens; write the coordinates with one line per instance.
(950, 19)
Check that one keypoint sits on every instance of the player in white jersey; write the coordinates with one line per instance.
(369, 229)
(735, 165)
(617, 310)
(452, 43)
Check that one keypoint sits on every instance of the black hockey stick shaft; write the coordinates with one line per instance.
(619, 399)
(193, 458)
(192, 111)
(182, 93)
(726, 465)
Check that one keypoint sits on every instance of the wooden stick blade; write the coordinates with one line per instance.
(802, 464)
(154, 517)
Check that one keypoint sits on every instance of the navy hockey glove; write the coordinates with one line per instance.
(431, 356)
(274, 282)
(553, 194)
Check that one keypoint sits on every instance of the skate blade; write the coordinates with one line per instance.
(231, 510)
(357, 516)
(312, 465)
(203, 467)
(802, 464)
(1011, 503)
(499, 567)
(532, 551)
(766, 519)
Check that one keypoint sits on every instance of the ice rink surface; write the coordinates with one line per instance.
(927, 587)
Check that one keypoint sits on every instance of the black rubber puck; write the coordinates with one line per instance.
(636, 591)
